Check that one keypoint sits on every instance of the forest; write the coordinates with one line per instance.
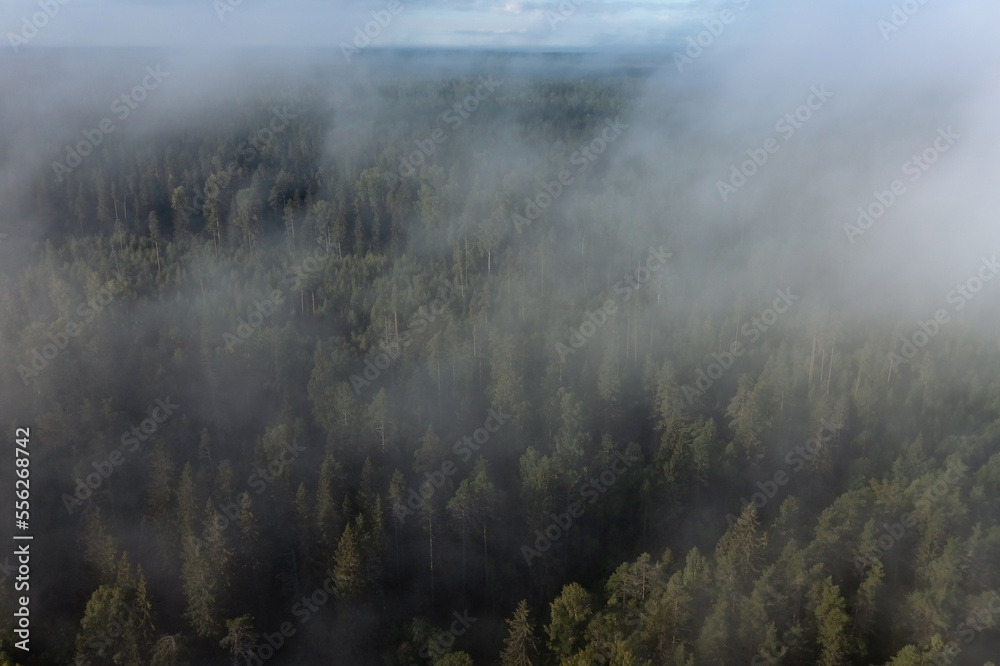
(471, 367)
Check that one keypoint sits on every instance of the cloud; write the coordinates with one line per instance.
(317, 24)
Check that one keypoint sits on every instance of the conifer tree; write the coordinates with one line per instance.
(519, 646)
(348, 568)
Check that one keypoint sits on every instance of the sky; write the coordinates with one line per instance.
(326, 23)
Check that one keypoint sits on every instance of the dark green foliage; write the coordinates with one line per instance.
(399, 422)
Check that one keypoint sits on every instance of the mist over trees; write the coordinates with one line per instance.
(474, 367)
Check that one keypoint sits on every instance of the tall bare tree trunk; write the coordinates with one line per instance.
(430, 541)
(812, 359)
(829, 374)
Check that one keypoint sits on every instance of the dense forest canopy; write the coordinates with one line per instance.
(475, 367)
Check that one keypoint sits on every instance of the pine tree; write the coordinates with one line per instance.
(519, 646)
(570, 612)
(748, 418)
(461, 508)
(100, 550)
(117, 625)
(567, 449)
(871, 585)
(367, 489)
(247, 541)
(155, 237)
(714, 636)
(159, 493)
(833, 621)
(328, 518)
(168, 651)
(304, 525)
(372, 539)
(348, 568)
(666, 616)
(203, 571)
(180, 203)
(738, 552)
(397, 506)
(187, 503)
(240, 638)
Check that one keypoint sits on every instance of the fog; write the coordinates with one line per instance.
(745, 157)
(889, 98)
